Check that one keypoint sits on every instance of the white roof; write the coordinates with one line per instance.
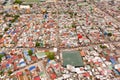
(24, 6)
(117, 66)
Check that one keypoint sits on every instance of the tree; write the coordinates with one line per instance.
(31, 5)
(6, 29)
(119, 7)
(10, 25)
(50, 55)
(17, 2)
(75, 13)
(15, 18)
(71, 14)
(1, 13)
(1, 55)
(1, 36)
(10, 72)
(30, 52)
(37, 44)
(1, 72)
(103, 46)
(8, 15)
(109, 34)
(73, 25)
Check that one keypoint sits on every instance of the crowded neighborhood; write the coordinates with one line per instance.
(59, 39)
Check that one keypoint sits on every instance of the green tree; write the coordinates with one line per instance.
(1, 36)
(1, 13)
(30, 52)
(15, 18)
(75, 13)
(73, 25)
(109, 34)
(6, 29)
(103, 46)
(10, 25)
(119, 7)
(17, 2)
(10, 72)
(37, 44)
(50, 55)
(8, 15)
(1, 55)
(1, 72)
(31, 5)
(71, 14)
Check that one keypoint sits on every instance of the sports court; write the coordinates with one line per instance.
(73, 58)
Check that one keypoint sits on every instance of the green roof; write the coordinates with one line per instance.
(72, 58)
(82, 4)
(40, 55)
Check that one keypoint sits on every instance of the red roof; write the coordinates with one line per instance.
(57, 65)
(53, 76)
(86, 74)
(33, 58)
(19, 73)
(9, 61)
(37, 78)
(82, 53)
(79, 36)
(14, 57)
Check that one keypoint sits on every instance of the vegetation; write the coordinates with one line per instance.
(1, 72)
(1, 55)
(1, 13)
(31, 5)
(71, 14)
(103, 46)
(37, 44)
(1, 36)
(15, 18)
(10, 25)
(10, 72)
(50, 55)
(119, 8)
(109, 34)
(53, 12)
(6, 29)
(75, 14)
(73, 25)
(30, 52)
(8, 15)
(17, 2)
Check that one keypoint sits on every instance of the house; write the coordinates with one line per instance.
(24, 6)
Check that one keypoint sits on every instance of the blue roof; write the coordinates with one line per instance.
(112, 60)
(7, 65)
(26, 55)
(22, 62)
(31, 68)
(2, 52)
